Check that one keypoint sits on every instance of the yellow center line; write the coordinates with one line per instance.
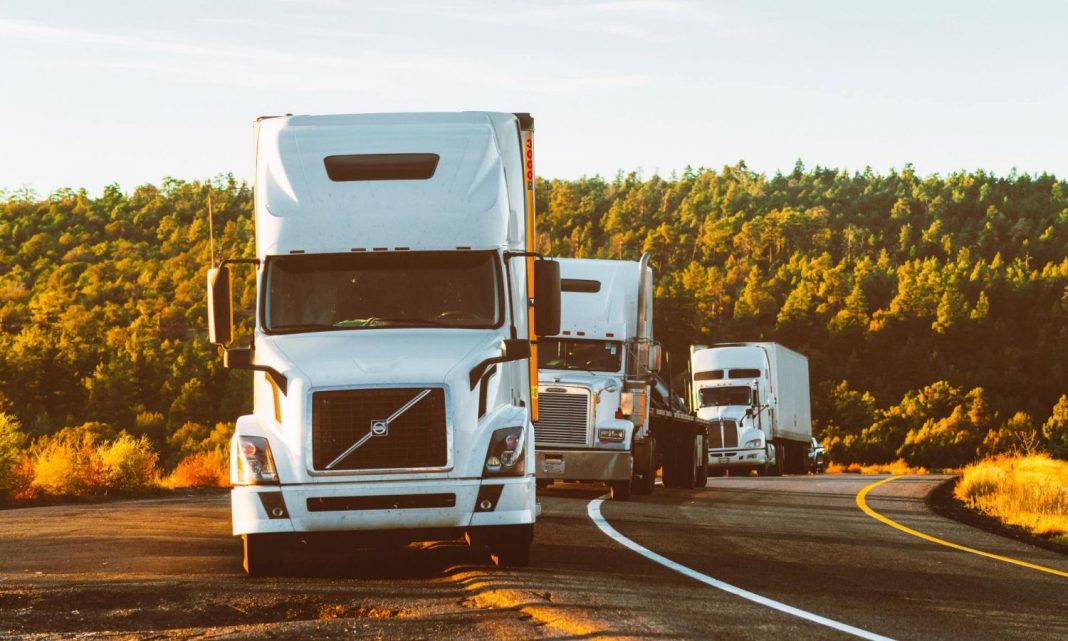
(863, 505)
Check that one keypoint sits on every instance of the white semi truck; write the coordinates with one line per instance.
(757, 397)
(597, 386)
(398, 303)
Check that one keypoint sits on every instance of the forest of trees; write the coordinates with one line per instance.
(934, 311)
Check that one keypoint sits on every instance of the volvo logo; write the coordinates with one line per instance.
(380, 428)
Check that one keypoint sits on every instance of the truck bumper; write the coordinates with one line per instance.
(735, 458)
(384, 505)
(584, 465)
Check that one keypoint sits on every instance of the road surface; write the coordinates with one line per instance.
(743, 558)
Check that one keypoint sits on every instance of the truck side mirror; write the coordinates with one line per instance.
(547, 297)
(515, 349)
(655, 357)
(220, 312)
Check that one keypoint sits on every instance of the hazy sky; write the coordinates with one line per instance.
(104, 91)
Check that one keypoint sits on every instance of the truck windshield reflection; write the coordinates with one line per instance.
(328, 292)
(598, 356)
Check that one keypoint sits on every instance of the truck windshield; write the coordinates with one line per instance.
(323, 292)
(715, 396)
(599, 356)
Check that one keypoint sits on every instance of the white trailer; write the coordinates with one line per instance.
(757, 397)
(395, 382)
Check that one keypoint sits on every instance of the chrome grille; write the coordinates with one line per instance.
(715, 435)
(730, 434)
(563, 419)
(413, 438)
(722, 434)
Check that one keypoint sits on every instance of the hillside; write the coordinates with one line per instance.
(934, 310)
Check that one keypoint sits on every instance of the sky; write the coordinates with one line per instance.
(129, 92)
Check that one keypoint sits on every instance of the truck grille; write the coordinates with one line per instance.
(562, 419)
(414, 438)
(722, 434)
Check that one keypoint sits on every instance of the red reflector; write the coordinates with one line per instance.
(619, 413)
(610, 335)
(581, 333)
(566, 332)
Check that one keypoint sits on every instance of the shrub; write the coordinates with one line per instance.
(67, 463)
(129, 464)
(12, 440)
(202, 469)
(76, 462)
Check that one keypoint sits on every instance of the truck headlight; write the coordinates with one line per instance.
(611, 434)
(505, 455)
(757, 442)
(255, 464)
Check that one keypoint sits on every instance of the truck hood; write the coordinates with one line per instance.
(720, 412)
(595, 381)
(384, 357)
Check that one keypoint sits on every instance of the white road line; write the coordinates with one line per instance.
(594, 510)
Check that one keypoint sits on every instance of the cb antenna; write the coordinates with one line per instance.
(211, 229)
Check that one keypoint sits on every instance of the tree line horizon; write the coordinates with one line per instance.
(933, 310)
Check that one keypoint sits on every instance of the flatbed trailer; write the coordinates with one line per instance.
(681, 446)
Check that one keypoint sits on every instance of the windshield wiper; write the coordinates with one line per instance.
(305, 327)
(377, 321)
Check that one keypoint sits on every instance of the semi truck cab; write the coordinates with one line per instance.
(594, 378)
(398, 302)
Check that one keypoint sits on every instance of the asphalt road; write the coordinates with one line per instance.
(168, 568)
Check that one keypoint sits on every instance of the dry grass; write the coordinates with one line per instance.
(897, 467)
(1027, 491)
(202, 469)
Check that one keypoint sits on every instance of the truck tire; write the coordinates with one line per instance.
(263, 554)
(801, 458)
(774, 468)
(686, 461)
(643, 484)
(620, 490)
(701, 474)
(669, 469)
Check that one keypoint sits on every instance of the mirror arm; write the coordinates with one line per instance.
(478, 371)
(240, 261)
(243, 356)
(278, 377)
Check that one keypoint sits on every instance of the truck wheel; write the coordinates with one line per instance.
(772, 468)
(801, 458)
(620, 490)
(263, 554)
(643, 485)
(701, 474)
(685, 461)
(512, 546)
(779, 467)
(668, 468)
